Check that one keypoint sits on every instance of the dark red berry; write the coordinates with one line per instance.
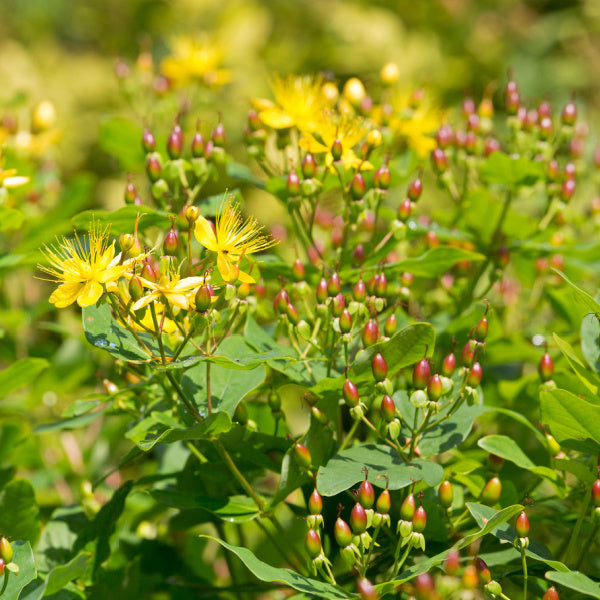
(475, 375)
(546, 367)
(421, 374)
(350, 393)
(434, 388)
(379, 367)
(366, 494)
(522, 525)
(358, 519)
(596, 492)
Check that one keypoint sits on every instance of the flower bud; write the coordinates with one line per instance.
(354, 91)
(126, 242)
(191, 214)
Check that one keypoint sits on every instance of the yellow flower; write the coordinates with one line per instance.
(347, 129)
(83, 267)
(170, 288)
(234, 238)
(194, 59)
(298, 103)
(147, 322)
(9, 179)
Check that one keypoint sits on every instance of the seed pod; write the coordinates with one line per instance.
(153, 166)
(370, 333)
(446, 494)
(408, 508)
(338, 305)
(482, 571)
(293, 184)
(148, 141)
(366, 494)
(281, 301)
(218, 136)
(302, 455)
(292, 314)
(388, 409)
(345, 321)
(198, 145)
(382, 178)
(421, 374)
(419, 520)
(550, 594)
(405, 209)
(491, 492)
(467, 356)
(322, 291)
(171, 242)
(334, 285)
(522, 525)
(358, 519)
(481, 330)
(546, 367)
(360, 291)
(312, 543)
(449, 365)
(350, 393)
(6, 551)
(309, 166)
(315, 503)
(298, 272)
(379, 367)
(415, 189)
(384, 502)
(390, 325)
(175, 142)
(342, 533)
(203, 298)
(434, 388)
(475, 375)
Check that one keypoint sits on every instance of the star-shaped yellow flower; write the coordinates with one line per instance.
(233, 239)
(83, 267)
(170, 288)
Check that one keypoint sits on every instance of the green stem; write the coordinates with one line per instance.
(586, 546)
(186, 339)
(158, 333)
(577, 529)
(350, 435)
(368, 559)
(193, 410)
(208, 394)
(398, 565)
(524, 566)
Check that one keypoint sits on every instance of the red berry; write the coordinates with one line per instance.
(302, 455)
(312, 543)
(366, 494)
(481, 330)
(596, 492)
(309, 166)
(370, 333)
(452, 563)
(491, 492)
(419, 520)
(218, 136)
(298, 272)
(345, 321)
(421, 374)
(475, 375)
(358, 519)
(446, 494)
(408, 508)
(171, 242)
(366, 589)
(439, 160)
(551, 594)
(379, 367)
(342, 533)
(382, 177)
(405, 209)
(360, 291)
(384, 502)
(1, 567)
(281, 301)
(467, 356)
(483, 571)
(315, 503)
(415, 189)
(198, 145)
(449, 365)
(175, 142)
(293, 184)
(153, 166)
(546, 367)
(350, 393)
(334, 285)
(322, 291)
(380, 288)
(522, 525)
(388, 408)
(338, 305)
(389, 327)
(434, 388)
(148, 141)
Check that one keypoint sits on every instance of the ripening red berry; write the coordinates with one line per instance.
(350, 393)
(381, 285)
(439, 160)
(358, 255)
(449, 365)
(302, 455)
(366, 494)
(408, 508)
(389, 327)
(321, 292)
(415, 189)
(130, 193)
(522, 525)
(342, 533)
(596, 492)
(491, 492)
(569, 114)
(388, 408)
(292, 314)
(384, 502)
(551, 594)
(379, 367)
(149, 271)
(315, 503)
(467, 356)
(136, 288)
(405, 209)
(482, 571)
(452, 563)
(421, 374)
(198, 145)
(293, 184)
(358, 187)
(424, 586)
(153, 166)
(338, 305)
(298, 271)
(546, 367)
(148, 141)
(567, 189)
(434, 388)
(334, 285)
(370, 333)
(360, 291)
(382, 177)
(218, 136)
(419, 520)
(446, 494)
(358, 519)
(337, 150)
(309, 166)
(444, 136)
(281, 301)
(312, 543)
(475, 375)
(171, 242)
(175, 142)
(366, 589)
(345, 321)
(481, 330)
(1, 567)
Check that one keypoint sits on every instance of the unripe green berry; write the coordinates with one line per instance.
(312, 543)
(136, 288)
(6, 551)
(419, 520)
(203, 298)
(384, 502)
(408, 508)
(342, 533)
(491, 492)
(446, 494)
(522, 525)
(315, 503)
(390, 325)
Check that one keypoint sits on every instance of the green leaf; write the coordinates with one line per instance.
(20, 373)
(434, 262)
(19, 512)
(10, 218)
(501, 169)
(123, 219)
(574, 423)
(506, 533)
(227, 388)
(60, 576)
(211, 428)
(590, 302)
(23, 556)
(211, 205)
(241, 172)
(103, 332)
(587, 377)
(590, 334)
(346, 469)
(120, 138)
(266, 572)
(71, 423)
(574, 580)
(234, 509)
(584, 473)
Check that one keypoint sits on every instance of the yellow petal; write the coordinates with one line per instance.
(225, 268)
(245, 278)
(204, 234)
(277, 119)
(66, 294)
(90, 294)
(178, 300)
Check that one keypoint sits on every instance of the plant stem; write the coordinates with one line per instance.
(586, 546)
(577, 528)
(349, 435)
(184, 398)
(208, 394)
(368, 559)
(158, 333)
(397, 564)
(524, 566)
